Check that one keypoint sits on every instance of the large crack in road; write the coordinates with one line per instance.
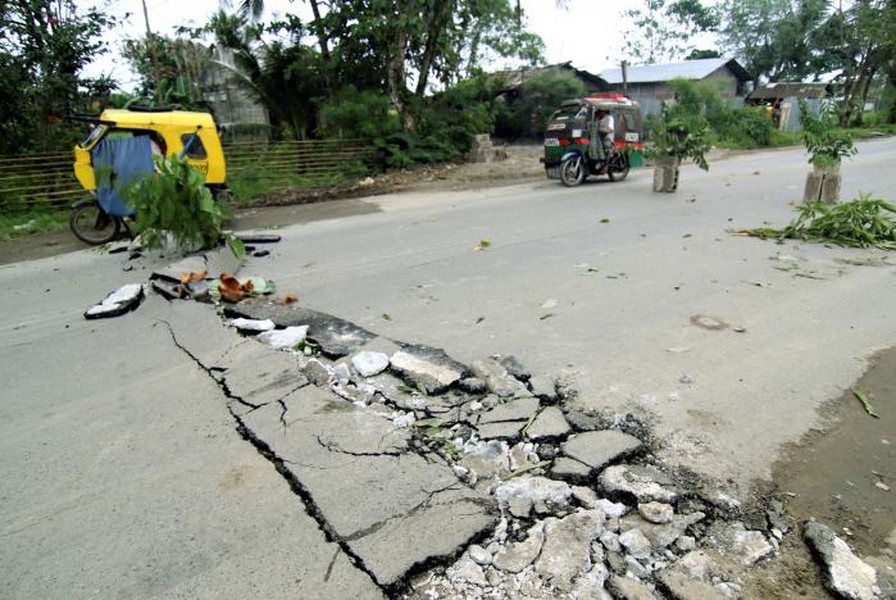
(278, 463)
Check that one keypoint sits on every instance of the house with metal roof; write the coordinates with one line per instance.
(649, 84)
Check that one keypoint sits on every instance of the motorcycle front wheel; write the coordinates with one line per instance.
(618, 168)
(572, 171)
(91, 224)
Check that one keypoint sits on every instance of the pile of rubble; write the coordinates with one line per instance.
(583, 509)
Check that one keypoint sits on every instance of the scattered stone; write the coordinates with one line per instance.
(318, 373)
(117, 303)
(465, 570)
(687, 379)
(550, 423)
(845, 574)
(613, 510)
(515, 557)
(656, 512)
(480, 555)
(636, 543)
(643, 482)
(368, 363)
(600, 448)
(283, 338)
(610, 541)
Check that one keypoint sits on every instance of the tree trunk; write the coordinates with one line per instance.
(398, 91)
(437, 24)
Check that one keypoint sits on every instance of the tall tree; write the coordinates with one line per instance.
(663, 30)
(402, 46)
(867, 47)
(775, 39)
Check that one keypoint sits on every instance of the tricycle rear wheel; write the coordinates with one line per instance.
(618, 168)
(91, 224)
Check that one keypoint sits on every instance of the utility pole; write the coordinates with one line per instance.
(151, 48)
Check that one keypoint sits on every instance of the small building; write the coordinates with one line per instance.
(649, 84)
(783, 101)
(237, 113)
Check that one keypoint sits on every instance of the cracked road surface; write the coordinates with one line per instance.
(124, 473)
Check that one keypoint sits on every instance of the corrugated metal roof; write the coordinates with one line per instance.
(790, 89)
(686, 69)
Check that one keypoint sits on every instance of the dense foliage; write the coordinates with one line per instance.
(44, 46)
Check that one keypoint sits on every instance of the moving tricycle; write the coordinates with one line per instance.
(120, 149)
(576, 145)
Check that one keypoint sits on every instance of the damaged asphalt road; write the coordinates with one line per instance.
(163, 454)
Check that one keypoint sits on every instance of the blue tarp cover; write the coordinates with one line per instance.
(130, 159)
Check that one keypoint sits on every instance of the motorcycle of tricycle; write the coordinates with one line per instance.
(571, 139)
(120, 148)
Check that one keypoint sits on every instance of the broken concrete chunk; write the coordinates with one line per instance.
(734, 540)
(428, 368)
(118, 302)
(692, 577)
(252, 324)
(625, 588)
(550, 423)
(368, 363)
(497, 379)
(597, 449)
(335, 336)
(642, 482)
(487, 459)
(566, 553)
(543, 495)
(518, 411)
(569, 469)
(283, 338)
(846, 574)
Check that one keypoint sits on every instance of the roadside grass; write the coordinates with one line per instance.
(249, 185)
(18, 222)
